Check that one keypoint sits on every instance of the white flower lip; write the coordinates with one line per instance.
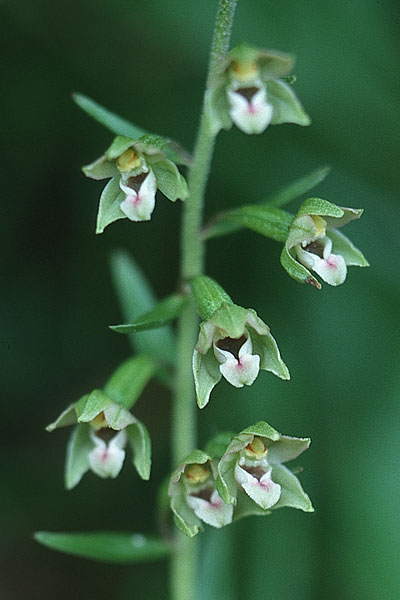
(241, 370)
(330, 267)
(262, 490)
(250, 113)
(214, 512)
(106, 460)
(140, 199)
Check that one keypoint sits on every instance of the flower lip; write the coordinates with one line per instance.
(232, 345)
(248, 92)
(315, 247)
(135, 182)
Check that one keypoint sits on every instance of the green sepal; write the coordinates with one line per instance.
(343, 246)
(287, 448)
(121, 126)
(164, 312)
(77, 460)
(139, 440)
(246, 507)
(292, 494)
(206, 375)
(118, 146)
(270, 359)
(128, 381)
(152, 142)
(269, 221)
(298, 188)
(101, 168)
(208, 295)
(286, 105)
(67, 417)
(217, 109)
(169, 180)
(184, 517)
(271, 63)
(109, 207)
(296, 270)
(320, 207)
(90, 405)
(230, 319)
(107, 546)
(262, 429)
(136, 298)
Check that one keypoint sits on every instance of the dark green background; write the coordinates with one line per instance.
(147, 61)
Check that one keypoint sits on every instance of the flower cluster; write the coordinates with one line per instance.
(249, 91)
(314, 243)
(137, 168)
(243, 476)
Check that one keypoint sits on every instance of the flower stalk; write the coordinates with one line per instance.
(184, 565)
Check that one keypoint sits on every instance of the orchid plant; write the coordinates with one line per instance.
(237, 474)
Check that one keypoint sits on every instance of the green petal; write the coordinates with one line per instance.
(67, 417)
(287, 448)
(169, 180)
(206, 375)
(102, 168)
(270, 359)
(286, 105)
(139, 440)
(88, 407)
(343, 246)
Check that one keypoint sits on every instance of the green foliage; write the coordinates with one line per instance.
(107, 546)
(166, 311)
(209, 296)
(128, 381)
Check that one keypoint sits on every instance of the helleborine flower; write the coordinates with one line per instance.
(247, 89)
(97, 442)
(137, 168)
(252, 468)
(249, 109)
(315, 243)
(194, 498)
(233, 343)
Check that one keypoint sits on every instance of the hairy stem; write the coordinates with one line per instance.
(184, 565)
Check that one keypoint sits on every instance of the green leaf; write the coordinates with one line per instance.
(109, 207)
(140, 442)
(107, 546)
(169, 181)
(343, 246)
(121, 126)
(296, 270)
(292, 494)
(209, 296)
(77, 461)
(286, 105)
(298, 188)
(127, 382)
(167, 310)
(266, 220)
(136, 298)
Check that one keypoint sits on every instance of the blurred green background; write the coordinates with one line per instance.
(147, 61)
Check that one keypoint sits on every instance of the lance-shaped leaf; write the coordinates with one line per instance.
(209, 296)
(136, 298)
(267, 220)
(139, 440)
(165, 311)
(286, 106)
(107, 546)
(123, 127)
(127, 382)
(219, 226)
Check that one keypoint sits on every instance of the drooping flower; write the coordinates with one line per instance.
(137, 168)
(248, 89)
(104, 426)
(315, 243)
(233, 343)
(252, 476)
(193, 495)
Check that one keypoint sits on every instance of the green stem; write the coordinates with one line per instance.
(184, 563)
